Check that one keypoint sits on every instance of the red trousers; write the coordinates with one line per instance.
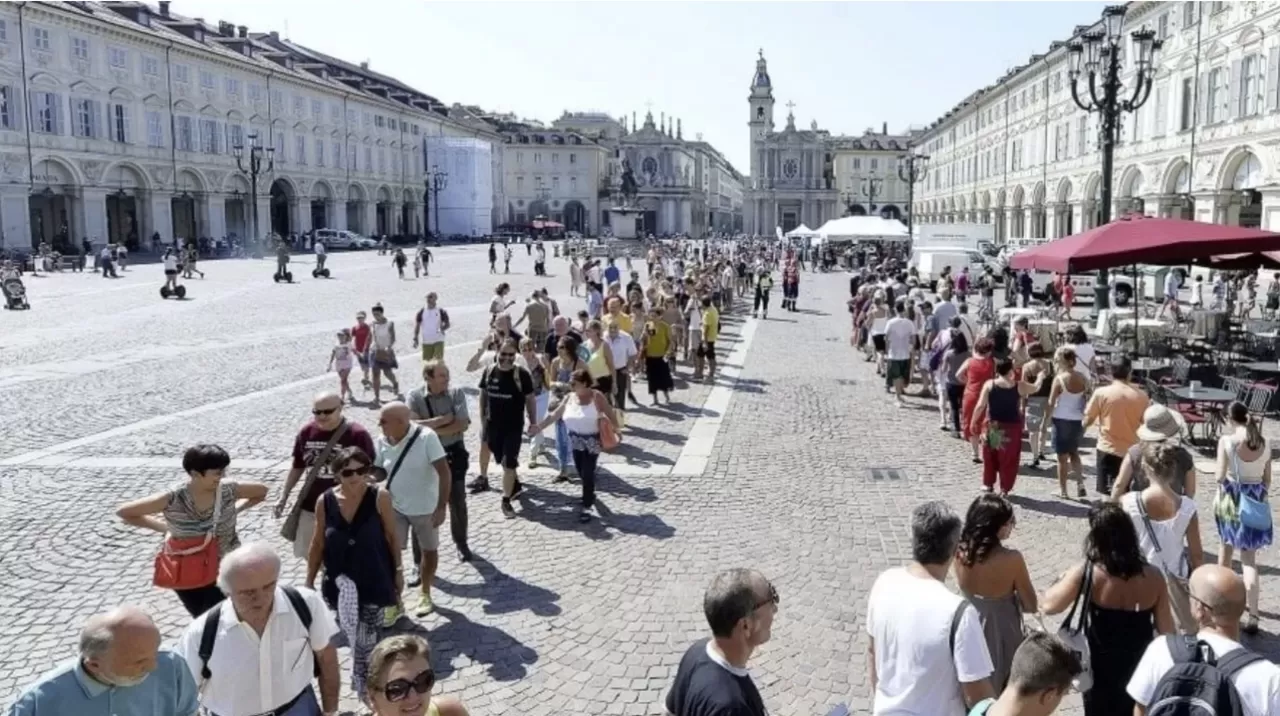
(1001, 460)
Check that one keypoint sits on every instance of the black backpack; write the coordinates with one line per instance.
(209, 634)
(1199, 684)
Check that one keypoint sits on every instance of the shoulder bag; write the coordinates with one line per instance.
(609, 438)
(189, 562)
(290, 528)
(1254, 514)
(408, 445)
(1075, 637)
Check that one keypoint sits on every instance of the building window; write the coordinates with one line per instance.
(209, 136)
(118, 116)
(255, 92)
(537, 157)
(299, 106)
(368, 160)
(319, 152)
(875, 164)
(337, 154)
(80, 49)
(519, 157)
(4, 31)
(1186, 114)
(1082, 136)
(317, 110)
(573, 158)
(1161, 124)
(182, 73)
(1190, 14)
(351, 159)
(86, 118)
(573, 186)
(391, 123)
(6, 108)
(150, 66)
(235, 137)
(118, 57)
(279, 140)
(382, 161)
(186, 137)
(519, 185)
(857, 164)
(40, 39)
(335, 113)
(1218, 101)
(300, 145)
(1162, 26)
(1251, 85)
(207, 80)
(277, 100)
(155, 130)
(351, 116)
(379, 122)
(232, 86)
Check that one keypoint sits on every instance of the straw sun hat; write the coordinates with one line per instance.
(1159, 423)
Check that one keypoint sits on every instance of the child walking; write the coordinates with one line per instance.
(341, 358)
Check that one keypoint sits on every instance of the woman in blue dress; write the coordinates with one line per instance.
(1241, 508)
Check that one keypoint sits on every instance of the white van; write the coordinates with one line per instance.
(335, 239)
(930, 261)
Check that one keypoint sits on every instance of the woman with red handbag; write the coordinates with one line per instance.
(198, 520)
(592, 426)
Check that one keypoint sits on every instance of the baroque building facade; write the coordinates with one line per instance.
(811, 176)
(1021, 155)
(118, 121)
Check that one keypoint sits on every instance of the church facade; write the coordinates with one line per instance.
(810, 176)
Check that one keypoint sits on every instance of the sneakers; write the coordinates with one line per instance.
(424, 606)
(390, 615)
(480, 484)
(507, 510)
(415, 582)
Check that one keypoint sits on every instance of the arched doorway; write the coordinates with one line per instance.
(1245, 181)
(282, 197)
(49, 207)
(236, 210)
(321, 199)
(1179, 186)
(575, 217)
(857, 210)
(123, 206)
(384, 217)
(890, 211)
(183, 206)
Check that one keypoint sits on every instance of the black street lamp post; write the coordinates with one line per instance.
(436, 181)
(257, 155)
(871, 188)
(1100, 55)
(911, 169)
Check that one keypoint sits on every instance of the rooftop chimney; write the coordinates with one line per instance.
(244, 31)
(164, 8)
(885, 130)
(275, 35)
(226, 29)
(364, 65)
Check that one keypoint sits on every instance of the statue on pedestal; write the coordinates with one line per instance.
(630, 189)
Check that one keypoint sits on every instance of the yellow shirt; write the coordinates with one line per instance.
(623, 322)
(1117, 411)
(659, 339)
(710, 324)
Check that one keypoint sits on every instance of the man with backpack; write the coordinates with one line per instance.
(259, 651)
(1178, 675)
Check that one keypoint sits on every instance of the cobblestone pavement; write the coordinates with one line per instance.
(803, 470)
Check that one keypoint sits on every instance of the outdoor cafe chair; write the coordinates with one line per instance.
(1260, 399)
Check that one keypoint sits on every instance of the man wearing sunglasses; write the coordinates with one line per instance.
(713, 678)
(314, 440)
(506, 399)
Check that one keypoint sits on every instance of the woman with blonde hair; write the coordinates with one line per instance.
(1241, 509)
(401, 680)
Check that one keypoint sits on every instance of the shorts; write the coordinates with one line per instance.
(388, 361)
(877, 342)
(306, 528)
(1066, 436)
(428, 535)
(504, 444)
(898, 369)
(362, 357)
(693, 337)
(170, 272)
(432, 351)
(707, 350)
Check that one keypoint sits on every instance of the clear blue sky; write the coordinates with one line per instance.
(848, 65)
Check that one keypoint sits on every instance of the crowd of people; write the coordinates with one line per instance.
(356, 499)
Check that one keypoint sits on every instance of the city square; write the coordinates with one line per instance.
(923, 247)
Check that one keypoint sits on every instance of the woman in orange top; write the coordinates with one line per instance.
(974, 373)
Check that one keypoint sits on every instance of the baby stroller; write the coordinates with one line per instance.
(15, 293)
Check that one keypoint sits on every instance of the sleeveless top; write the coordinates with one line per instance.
(381, 334)
(1070, 405)
(1002, 405)
(185, 521)
(581, 419)
(1241, 470)
(596, 364)
(359, 550)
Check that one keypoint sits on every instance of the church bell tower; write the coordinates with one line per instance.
(760, 101)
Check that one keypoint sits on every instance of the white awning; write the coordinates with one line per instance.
(854, 228)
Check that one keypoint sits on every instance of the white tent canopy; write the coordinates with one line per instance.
(801, 232)
(854, 228)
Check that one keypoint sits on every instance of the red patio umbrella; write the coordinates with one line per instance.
(1266, 260)
(1141, 239)
(546, 224)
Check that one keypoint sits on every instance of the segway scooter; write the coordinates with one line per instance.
(282, 274)
(179, 291)
(15, 294)
(320, 271)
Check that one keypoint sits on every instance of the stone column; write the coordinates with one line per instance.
(686, 215)
(264, 216)
(369, 217)
(161, 211)
(1270, 209)
(204, 218)
(15, 218)
(94, 203)
(217, 207)
(300, 215)
(338, 215)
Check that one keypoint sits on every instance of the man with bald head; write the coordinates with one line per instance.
(415, 470)
(559, 329)
(120, 671)
(1217, 602)
(313, 448)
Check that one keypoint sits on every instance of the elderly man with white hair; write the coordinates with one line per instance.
(258, 651)
(120, 672)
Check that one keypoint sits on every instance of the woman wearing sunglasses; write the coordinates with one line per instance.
(355, 540)
(401, 679)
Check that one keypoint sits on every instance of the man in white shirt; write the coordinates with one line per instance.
(1217, 601)
(430, 326)
(623, 349)
(898, 335)
(264, 650)
(927, 652)
(413, 462)
(321, 255)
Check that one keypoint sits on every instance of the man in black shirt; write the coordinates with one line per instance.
(559, 329)
(713, 679)
(506, 397)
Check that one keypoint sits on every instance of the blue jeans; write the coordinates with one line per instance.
(562, 445)
(536, 441)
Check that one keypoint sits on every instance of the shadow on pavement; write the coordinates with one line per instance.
(503, 593)
(506, 658)
(1054, 507)
(559, 511)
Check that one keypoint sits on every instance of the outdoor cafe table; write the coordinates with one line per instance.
(1265, 366)
(1149, 329)
(1213, 397)
(1013, 313)
(1149, 365)
(1045, 331)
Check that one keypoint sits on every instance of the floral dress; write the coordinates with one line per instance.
(1242, 479)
